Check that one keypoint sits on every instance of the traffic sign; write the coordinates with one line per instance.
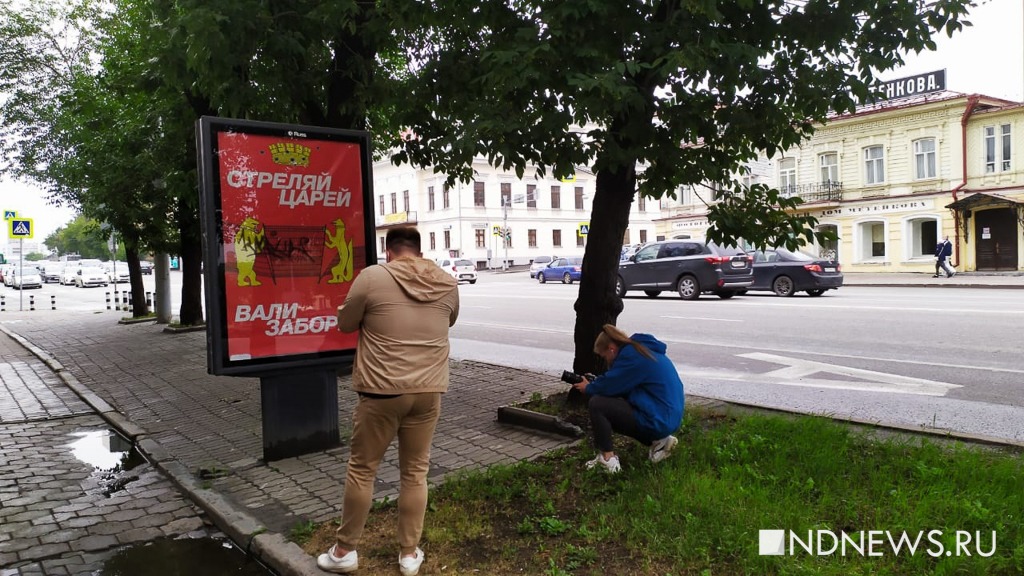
(584, 228)
(19, 228)
(496, 230)
(8, 214)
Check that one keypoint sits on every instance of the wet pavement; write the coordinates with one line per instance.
(75, 495)
(67, 377)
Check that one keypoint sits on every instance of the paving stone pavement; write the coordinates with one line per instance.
(60, 514)
(209, 430)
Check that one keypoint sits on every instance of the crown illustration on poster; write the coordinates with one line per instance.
(289, 154)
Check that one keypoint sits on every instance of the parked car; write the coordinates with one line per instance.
(146, 266)
(690, 267)
(459, 268)
(51, 272)
(91, 276)
(785, 273)
(539, 263)
(68, 275)
(121, 269)
(28, 278)
(568, 270)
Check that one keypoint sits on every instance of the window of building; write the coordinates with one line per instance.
(924, 158)
(405, 200)
(478, 194)
(383, 247)
(787, 176)
(531, 195)
(394, 202)
(556, 197)
(481, 237)
(924, 235)
(828, 163)
(381, 204)
(430, 198)
(445, 196)
(580, 239)
(506, 194)
(625, 237)
(579, 197)
(531, 237)
(556, 238)
(997, 148)
(447, 239)
(643, 236)
(641, 202)
(508, 238)
(433, 241)
(874, 165)
(871, 241)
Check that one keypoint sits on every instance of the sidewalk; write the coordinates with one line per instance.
(205, 431)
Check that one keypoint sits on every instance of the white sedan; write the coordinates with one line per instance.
(27, 279)
(89, 276)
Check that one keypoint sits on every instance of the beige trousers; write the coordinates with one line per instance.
(375, 423)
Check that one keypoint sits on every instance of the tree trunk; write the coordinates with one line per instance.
(598, 304)
(138, 291)
(191, 311)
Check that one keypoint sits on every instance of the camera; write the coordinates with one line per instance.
(574, 378)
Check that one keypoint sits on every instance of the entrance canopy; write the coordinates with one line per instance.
(964, 206)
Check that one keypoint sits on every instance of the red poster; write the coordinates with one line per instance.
(292, 241)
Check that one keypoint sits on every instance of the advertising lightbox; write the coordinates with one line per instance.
(285, 231)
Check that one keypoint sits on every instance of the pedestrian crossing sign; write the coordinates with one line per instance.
(584, 228)
(19, 228)
(8, 214)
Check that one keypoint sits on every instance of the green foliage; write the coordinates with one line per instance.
(302, 531)
(82, 236)
(36, 256)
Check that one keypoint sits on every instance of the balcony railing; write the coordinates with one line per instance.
(815, 192)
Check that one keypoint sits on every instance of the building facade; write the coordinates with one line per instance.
(497, 219)
(894, 178)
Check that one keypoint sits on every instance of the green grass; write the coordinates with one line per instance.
(699, 512)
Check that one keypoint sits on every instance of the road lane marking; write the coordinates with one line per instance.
(702, 318)
(797, 372)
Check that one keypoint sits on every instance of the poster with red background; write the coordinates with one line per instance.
(292, 240)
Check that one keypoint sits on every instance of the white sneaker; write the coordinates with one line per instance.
(344, 565)
(410, 565)
(660, 449)
(610, 465)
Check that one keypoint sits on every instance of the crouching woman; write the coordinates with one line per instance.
(640, 396)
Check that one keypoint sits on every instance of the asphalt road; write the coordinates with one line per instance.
(916, 357)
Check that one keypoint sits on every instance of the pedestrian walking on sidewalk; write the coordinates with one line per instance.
(640, 396)
(403, 310)
(943, 250)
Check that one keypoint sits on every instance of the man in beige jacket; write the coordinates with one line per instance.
(403, 310)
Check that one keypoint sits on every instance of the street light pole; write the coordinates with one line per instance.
(504, 231)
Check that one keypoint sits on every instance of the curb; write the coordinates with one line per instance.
(272, 549)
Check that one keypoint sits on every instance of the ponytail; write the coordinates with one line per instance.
(609, 334)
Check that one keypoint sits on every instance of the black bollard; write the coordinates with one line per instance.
(131, 303)
(149, 299)
(108, 300)
(32, 302)
(3, 303)
(53, 301)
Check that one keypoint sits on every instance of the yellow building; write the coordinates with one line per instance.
(895, 177)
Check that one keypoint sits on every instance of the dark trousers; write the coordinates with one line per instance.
(609, 415)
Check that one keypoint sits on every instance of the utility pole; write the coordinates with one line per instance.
(504, 231)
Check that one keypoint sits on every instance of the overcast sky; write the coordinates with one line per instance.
(987, 58)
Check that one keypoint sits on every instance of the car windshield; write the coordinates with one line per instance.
(576, 261)
(463, 263)
(92, 271)
(798, 256)
(728, 250)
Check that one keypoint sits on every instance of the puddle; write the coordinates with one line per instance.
(182, 557)
(112, 456)
(105, 450)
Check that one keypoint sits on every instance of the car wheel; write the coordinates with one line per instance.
(540, 277)
(815, 292)
(566, 278)
(725, 295)
(652, 293)
(783, 286)
(620, 287)
(688, 288)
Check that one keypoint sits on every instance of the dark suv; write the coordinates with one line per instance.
(689, 267)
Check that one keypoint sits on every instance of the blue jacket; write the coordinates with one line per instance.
(652, 387)
(944, 249)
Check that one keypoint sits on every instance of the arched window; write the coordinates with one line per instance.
(922, 234)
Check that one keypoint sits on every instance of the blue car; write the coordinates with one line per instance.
(568, 270)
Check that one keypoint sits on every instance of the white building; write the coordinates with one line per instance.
(542, 215)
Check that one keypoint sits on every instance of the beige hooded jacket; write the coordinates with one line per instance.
(403, 310)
